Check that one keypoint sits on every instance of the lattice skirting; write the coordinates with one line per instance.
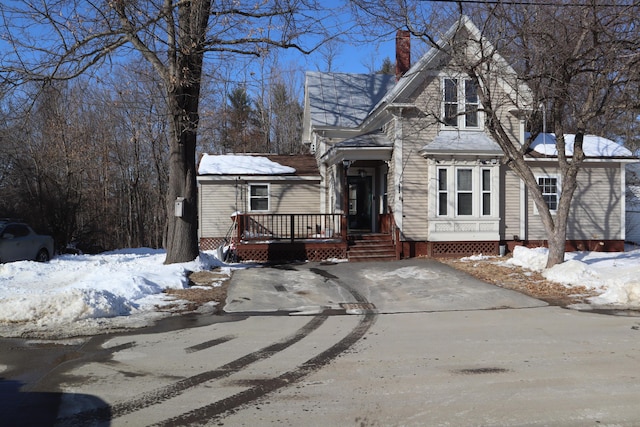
(210, 243)
(446, 249)
(279, 252)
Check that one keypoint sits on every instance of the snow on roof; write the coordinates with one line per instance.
(593, 146)
(449, 141)
(238, 164)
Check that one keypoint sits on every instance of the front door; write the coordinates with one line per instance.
(360, 203)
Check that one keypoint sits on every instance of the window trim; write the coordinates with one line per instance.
(250, 197)
(461, 102)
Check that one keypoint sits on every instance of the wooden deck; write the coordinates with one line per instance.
(310, 237)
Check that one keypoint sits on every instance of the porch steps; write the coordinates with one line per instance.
(371, 247)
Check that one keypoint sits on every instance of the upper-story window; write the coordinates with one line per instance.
(460, 103)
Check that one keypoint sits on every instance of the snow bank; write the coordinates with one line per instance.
(533, 259)
(77, 289)
(614, 274)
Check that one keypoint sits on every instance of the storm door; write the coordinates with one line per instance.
(360, 204)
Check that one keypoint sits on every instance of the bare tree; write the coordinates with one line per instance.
(63, 39)
(580, 61)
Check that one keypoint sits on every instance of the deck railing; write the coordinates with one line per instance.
(289, 227)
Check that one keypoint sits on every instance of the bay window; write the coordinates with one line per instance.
(469, 194)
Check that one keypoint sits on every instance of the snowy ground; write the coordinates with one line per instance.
(87, 294)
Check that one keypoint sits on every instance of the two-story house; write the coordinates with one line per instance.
(414, 147)
(406, 168)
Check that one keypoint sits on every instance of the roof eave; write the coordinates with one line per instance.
(338, 154)
(588, 159)
(454, 153)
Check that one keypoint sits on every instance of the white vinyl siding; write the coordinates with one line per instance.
(295, 197)
(513, 215)
(218, 200)
(217, 204)
(595, 209)
(412, 174)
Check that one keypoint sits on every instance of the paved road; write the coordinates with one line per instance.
(425, 345)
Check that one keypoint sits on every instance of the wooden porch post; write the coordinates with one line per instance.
(239, 226)
(345, 198)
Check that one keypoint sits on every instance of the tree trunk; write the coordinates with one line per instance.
(182, 231)
(183, 90)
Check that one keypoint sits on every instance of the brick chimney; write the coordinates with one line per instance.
(403, 53)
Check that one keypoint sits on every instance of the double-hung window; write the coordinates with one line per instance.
(258, 197)
(550, 188)
(460, 103)
(443, 193)
(485, 188)
(464, 192)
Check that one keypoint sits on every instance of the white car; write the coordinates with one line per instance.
(18, 242)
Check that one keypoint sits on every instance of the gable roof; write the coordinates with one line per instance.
(258, 165)
(412, 78)
(353, 101)
(344, 100)
(369, 146)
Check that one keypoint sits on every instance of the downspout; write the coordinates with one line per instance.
(523, 189)
(623, 202)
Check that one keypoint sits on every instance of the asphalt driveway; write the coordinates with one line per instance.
(408, 286)
(432, 346)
